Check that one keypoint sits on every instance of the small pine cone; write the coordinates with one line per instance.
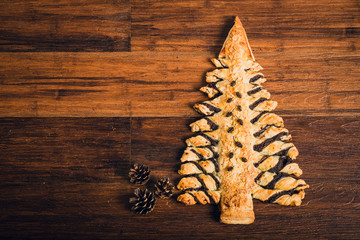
(163, 188)
(139, 174)
(143, 202)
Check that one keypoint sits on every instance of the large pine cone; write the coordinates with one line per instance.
(139, 174)
(143, 202)
(163, 188)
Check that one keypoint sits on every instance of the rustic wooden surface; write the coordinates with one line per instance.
(89, 87)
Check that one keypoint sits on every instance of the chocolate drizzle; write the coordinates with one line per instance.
(291, 192)
(211, 107)
(276, 178)
(211, 148)
(197, 164)
(255, 119)
(261, 160)
(239, 121)
(197, 176)
(213, 126)
(212, 141)
(259, 176)
(283, 161)
(218, 78)
(230, 130)
(254, 90)
(217, 182)
(192, 195)
(201, 157)
(213, 85)
(257, 102)
(255, 78)
(264, 144)
(212, 201)
(222, 64)
(214, 161)
(282, 152)
(262, 130)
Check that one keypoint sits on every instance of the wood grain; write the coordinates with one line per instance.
(64, 26)
(166, 84)
(197, 25)
(309, 57)
(89, 87)
(71, 181)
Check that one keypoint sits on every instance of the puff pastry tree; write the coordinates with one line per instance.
(241, 149)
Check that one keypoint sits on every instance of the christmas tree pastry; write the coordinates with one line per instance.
(241, 149)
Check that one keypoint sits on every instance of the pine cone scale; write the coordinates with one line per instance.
(139, 174)
(163, 188)
(143, 202)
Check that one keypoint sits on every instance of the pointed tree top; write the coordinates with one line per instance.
(238, 22)
(236, 46)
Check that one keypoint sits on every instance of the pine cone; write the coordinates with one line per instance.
(139, 174)
(163, 188)
(143, 202)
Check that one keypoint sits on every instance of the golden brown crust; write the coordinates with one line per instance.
(236, 45)
(241, 150)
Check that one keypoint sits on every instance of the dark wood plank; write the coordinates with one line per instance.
(145, 84)
(198, 25)
(67, 178)
(64, 26)
(58, 175)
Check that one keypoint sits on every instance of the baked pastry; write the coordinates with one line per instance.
(241, 150)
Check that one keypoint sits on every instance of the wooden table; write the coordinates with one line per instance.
(89, 87)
